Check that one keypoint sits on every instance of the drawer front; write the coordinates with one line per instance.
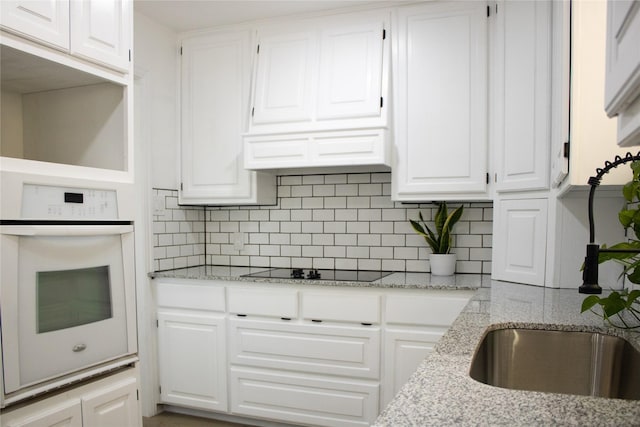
(306, 399)
(190, 296)
(271, 302)
(331, 350)
(429, 309)
(341, 307)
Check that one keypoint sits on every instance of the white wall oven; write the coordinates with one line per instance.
(67, 293)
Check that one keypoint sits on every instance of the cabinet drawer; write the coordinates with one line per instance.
(191, 296)
(342, 307)
(306, 399)
(270, 302)
(332, 350)
(430, 309)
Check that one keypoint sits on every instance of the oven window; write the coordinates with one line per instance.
(69, 298)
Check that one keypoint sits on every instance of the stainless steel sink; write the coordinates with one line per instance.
(584, 363)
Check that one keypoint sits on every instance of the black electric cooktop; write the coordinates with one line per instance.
(321, 274)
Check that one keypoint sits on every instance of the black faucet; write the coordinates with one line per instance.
(590, 272)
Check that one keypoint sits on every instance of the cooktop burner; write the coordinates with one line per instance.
(321, 274)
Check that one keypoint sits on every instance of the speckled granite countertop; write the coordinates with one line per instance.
(441, 393)
(393, 280)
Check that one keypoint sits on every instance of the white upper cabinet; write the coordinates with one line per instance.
(622, 88)
(319, 93)
(440, 102)
(350, 78)
(96, 30)
(101, 32)
(215, 76)
(283, 79)
(47, 21)
(521, 78)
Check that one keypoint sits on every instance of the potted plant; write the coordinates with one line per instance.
(443, 263)
(621, 309)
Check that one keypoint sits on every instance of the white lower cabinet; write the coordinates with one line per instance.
(192, 360)
(322, 349)
(403, 351)
(107, 402)
(303, 398)
(192, 345)
(308, 355)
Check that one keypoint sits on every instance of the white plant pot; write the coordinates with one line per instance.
(443, 264)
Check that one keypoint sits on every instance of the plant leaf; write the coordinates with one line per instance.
(632, 297)
(613, 304)
(441, 217)
(626, 217)
(634, 276)
(589, 302)
(606, 256)
(629, 190)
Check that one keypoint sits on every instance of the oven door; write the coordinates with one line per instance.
(68, 299)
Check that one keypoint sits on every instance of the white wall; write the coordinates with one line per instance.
(11, 124)
(156, 53)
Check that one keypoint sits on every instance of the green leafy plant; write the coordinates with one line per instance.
(614, 306)
(439, 238)
(621, 308)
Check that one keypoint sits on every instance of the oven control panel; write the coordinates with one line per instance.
(64, 203)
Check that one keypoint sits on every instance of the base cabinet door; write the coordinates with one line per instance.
(192, 360)
(303, 398)
(65, 414)
(404, 351)
(116, 405)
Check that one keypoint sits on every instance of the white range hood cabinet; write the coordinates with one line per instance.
(320, 91)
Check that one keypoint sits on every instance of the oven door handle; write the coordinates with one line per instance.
(65, 231)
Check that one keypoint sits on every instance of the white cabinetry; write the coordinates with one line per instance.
(101, 32)
(520, 240)
(321, 361)
(96, 30)
(298, 354)
(192, 345)
(440, 102)
(521, 76)
(107, 402)
(216, 73)
(622, 89)
(415, 321)
(46, 21)
(319, 94)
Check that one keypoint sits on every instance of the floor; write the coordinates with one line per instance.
(168, 419)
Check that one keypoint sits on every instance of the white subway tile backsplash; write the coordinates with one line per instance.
(345, 221)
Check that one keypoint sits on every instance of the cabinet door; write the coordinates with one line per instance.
(66, 414)
(284, 77)
(101, 31)
(440, 79)
(192, 360)
(522, 97)
(45, 20)
(350, 74)
(622, 83)
(214, 107)
(115, 405)
(520, 239)
(404, 350)
(303, 399)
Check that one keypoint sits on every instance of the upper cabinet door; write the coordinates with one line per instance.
(214, 110)
(623, 55)
(440, 105)
(101, 31)
(46, 20)
(350, 71)
(284, 77)
(522, 95)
